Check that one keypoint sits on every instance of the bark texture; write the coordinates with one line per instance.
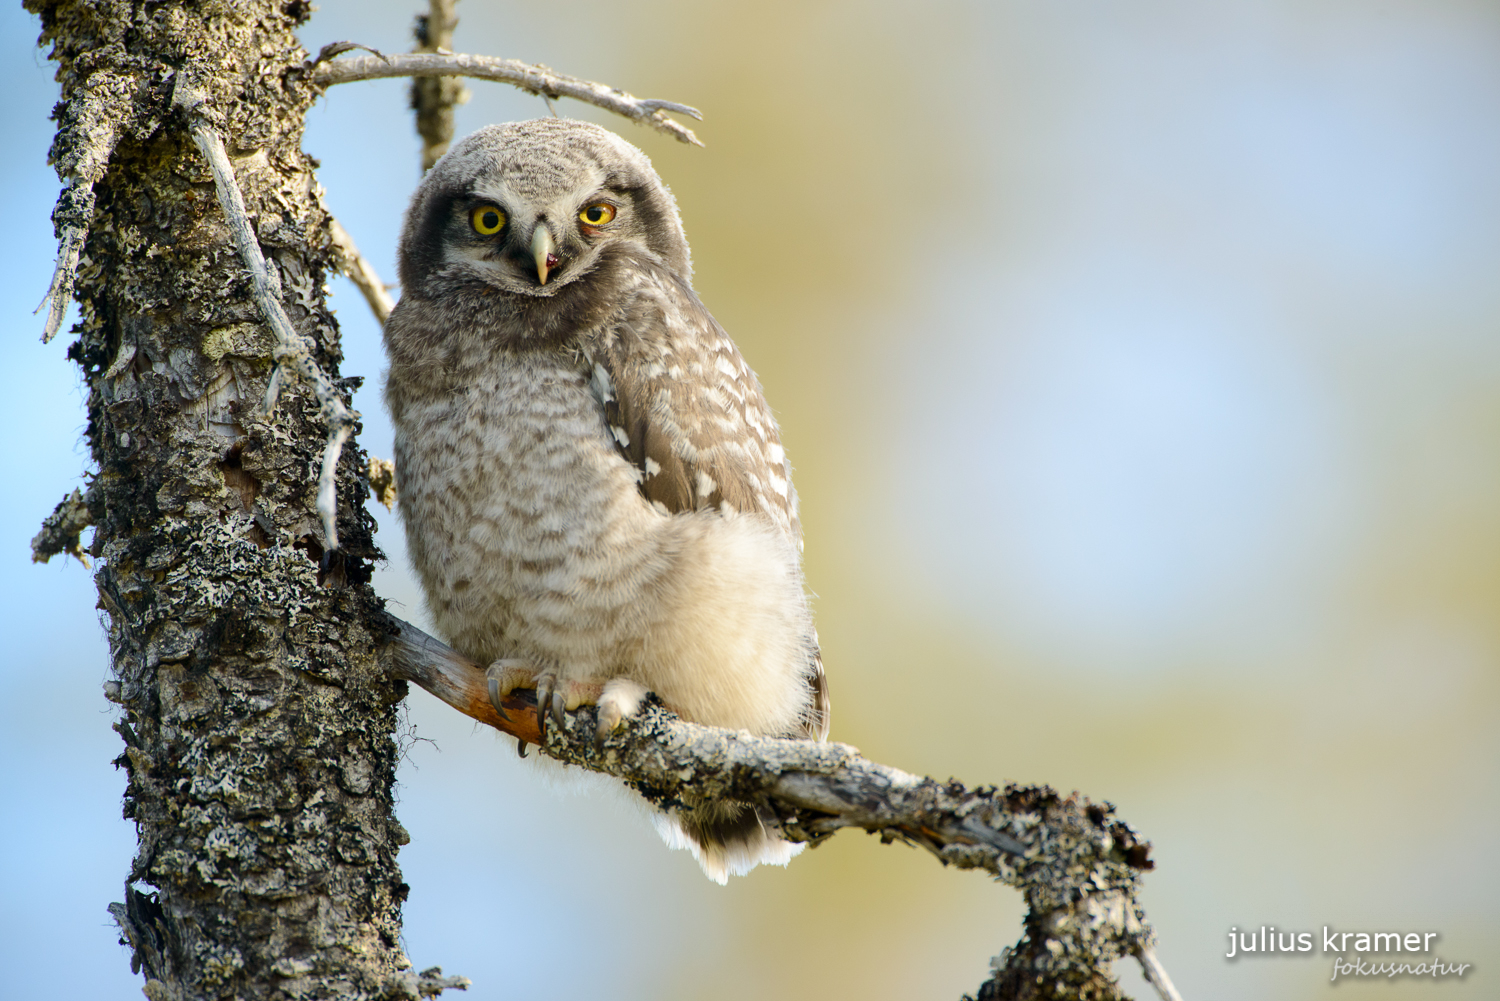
(258, 728)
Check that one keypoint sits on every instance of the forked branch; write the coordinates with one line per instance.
(1077, 864)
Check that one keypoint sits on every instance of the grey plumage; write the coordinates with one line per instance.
(594, 491)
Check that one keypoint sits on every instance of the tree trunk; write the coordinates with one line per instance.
(258, 729)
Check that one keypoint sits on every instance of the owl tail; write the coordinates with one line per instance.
(727, 839)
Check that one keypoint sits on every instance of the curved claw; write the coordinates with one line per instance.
(521, 747)
(609, 719)
(546, 687)
(495, 698)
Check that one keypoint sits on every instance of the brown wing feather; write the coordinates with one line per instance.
(687, 412)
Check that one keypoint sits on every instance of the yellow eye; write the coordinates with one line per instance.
(597, 214)
(487, 220)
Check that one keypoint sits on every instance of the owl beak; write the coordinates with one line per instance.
(544, 250)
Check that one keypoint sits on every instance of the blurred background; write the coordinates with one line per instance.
(1139, 364)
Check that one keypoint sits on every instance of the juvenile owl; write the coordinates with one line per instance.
(595, 495)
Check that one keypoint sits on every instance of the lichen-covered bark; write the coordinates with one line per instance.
(258, 730)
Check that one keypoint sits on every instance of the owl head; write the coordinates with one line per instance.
(535, 208)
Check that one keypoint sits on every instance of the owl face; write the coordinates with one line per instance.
(532, 208)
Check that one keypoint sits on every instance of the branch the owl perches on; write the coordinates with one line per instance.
(1076, 863)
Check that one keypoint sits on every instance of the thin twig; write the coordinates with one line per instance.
(1077, 864)
(531, 78)
(1156, 975)
(332, 49)
(292, 349)
(362, 273)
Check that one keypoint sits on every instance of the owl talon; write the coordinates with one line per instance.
(495, 698)
(545, 688)
(609, 719)
(556, 697)
(504, 676)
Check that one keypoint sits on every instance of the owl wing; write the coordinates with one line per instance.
(689, 414)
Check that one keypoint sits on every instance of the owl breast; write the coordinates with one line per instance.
(534, 542)
(520, 517)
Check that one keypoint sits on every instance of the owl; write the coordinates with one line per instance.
(595, 495)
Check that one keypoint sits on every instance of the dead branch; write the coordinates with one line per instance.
(1077, 864)
(60, 291)
(533, 79)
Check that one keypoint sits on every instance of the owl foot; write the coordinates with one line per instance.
(617, 699)
(504, 676)
(557, 696)
(554, 695)
(622, 697)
